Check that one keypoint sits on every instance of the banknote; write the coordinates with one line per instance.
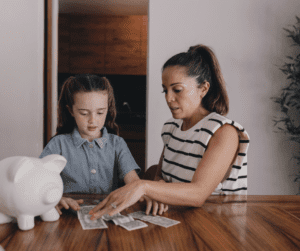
(157, 220)
(108, 217)
(122, 219)
(163, 221)
(132, 225)
(85, 219)
(138, 215)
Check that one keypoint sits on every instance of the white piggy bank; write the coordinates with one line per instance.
(30, 187)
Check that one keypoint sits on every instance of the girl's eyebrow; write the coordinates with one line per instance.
(82, 109)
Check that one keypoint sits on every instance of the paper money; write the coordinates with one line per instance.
(157, 220)
(85, 219)
(133, 225)
(106, 217)
(117, 218)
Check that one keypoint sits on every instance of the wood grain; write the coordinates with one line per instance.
(222, 223)
(102, 44)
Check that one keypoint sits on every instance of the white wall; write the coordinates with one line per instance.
(21, 77)
(250, 43)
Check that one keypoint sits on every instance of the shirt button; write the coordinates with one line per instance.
(93, 171)
(91, 146)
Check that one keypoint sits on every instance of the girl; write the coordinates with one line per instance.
(204, 152)
(86, 136)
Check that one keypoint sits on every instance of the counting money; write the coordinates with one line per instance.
(85, 219)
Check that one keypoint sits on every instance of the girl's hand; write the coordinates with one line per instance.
(119, 199)
(67, 203)
(157, 207)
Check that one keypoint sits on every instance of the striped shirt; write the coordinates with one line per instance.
(184, 151)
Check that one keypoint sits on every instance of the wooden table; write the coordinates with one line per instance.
(223, 223)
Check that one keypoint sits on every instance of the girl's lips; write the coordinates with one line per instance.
(92, 128)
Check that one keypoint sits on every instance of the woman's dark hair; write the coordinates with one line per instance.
(84, 83)
(201, 62)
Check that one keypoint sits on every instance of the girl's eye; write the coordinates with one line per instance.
(83, 114)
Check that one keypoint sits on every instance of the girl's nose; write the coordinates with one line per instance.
(91, 118)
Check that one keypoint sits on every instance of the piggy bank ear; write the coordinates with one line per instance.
(54, 162)
(19, 168)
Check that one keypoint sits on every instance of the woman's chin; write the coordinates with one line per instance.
(176, 116)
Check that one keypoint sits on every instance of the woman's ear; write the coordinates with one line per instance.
(70, 110)
(204, 88)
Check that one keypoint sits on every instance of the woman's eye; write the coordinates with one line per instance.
(177, 90)
(164, 91)
(100, 113)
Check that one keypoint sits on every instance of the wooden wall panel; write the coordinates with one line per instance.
(63, 44)
(103, 44)
(144, 29)
(87, 58)
(126, 28)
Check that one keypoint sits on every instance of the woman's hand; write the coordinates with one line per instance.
(119, 199)
(155, 204)
(157, 207)
(67, 203)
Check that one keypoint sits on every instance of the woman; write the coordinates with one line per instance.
(204, 152)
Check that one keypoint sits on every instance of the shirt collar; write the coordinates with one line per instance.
(78, 140)
(102, 141)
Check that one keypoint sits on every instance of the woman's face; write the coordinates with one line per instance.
(181, 92)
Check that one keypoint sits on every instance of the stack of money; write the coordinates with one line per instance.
(127, 222)
(85, 219)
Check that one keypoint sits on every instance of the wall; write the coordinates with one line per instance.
(250, 43)
(21, 77)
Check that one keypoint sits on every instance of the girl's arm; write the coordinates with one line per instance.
(210, 172)
(131, 177)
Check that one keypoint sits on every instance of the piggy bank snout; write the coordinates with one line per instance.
(52, 196)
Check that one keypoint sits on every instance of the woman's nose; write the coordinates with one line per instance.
(169, 97)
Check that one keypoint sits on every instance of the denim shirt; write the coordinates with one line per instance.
(92, 167)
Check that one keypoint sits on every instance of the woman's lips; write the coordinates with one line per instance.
(173, 109)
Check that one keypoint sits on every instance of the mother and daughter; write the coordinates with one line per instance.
(204, 152)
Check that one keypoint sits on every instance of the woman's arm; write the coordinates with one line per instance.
(158, 175)
(211, 170)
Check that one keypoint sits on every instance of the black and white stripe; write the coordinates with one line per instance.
(184, 151)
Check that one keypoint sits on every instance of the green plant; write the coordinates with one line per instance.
(289, 101)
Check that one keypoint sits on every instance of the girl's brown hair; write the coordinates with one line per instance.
(201, 62)
(84, 83)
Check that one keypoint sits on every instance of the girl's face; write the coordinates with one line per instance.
(182, 93)
(89, 111)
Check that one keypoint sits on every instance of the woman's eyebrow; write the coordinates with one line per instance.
(172, 84)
